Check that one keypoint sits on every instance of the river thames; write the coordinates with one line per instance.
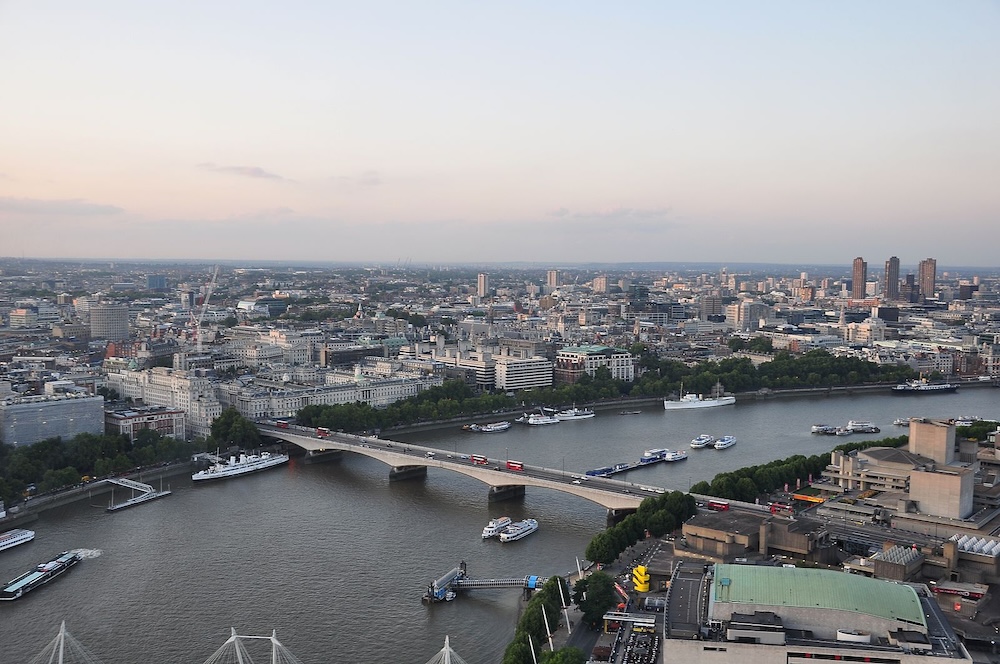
(335, 557)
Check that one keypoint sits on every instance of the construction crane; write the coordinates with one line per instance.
(204, 307)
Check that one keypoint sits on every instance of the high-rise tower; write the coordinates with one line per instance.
(483, 285)
(891, 285)
(926, 277)
(552, 279)
(859, 275)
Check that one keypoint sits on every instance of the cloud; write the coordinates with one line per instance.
(67, 206)
(365, 179)
(245, 171)
(644, 220)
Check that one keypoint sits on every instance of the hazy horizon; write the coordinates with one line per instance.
(445, 132)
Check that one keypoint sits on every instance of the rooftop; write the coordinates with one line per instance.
(800, 588)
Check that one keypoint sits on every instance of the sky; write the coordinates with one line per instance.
(433, 131)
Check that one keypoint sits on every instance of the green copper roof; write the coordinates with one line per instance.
(816, 588)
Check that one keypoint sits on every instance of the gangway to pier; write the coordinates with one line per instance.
(443, 589)
(146, 493)
(131, 484)
(527, 582)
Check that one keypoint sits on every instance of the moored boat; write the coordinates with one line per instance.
(42, 574)
(921, 386)
(823, 428)
(724, 442)
(12, 538)
(519, 530)
(690, 400)
(675, 455)
(704, 440)
(652, 456)
(862, 426)
(492, 427)
(496, 526)
(574, 413)
(902, 421)
(240, 466)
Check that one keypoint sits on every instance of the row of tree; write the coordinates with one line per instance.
(753, 482)
(53, 464)
(531, 632)
(659, 378)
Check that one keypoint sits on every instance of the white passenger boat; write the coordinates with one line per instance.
(675, 455)
(246, 463)
(704, 440)
(12, 538)
(519, 530)
(496, 526)
(575, 413)
(492, 427)
(700, 401)
(724, 442)
(538, 419)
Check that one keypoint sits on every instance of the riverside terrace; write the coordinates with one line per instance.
(411, 461)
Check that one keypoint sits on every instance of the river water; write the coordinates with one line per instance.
(336, 558)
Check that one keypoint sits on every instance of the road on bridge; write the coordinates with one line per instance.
(612, 493)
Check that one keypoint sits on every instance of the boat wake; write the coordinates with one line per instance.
(88, 554)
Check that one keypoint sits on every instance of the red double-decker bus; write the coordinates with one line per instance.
(478, 459)
(322, 432)
(717, 505)
(515, 465)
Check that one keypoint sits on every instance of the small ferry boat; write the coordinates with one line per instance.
(966, 420)
(604, 471)
(12, 538)
(246, 463)
(826, 429)
(902, 421)
(652, 456)
(704, 440)
(42, 574)
(724, 442)
(492, 427)
(538, 418)
(675, 455)
(519, 530)
(496, 526)
(574, 413)
(862, 426)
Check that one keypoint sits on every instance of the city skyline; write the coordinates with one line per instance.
(465, 134)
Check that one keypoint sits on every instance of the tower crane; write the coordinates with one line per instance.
(204, 307)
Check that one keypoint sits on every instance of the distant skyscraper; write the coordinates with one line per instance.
(552, 279)
(926, 277)
(891, 286)
(859, 275)
(601, 283)
(483, 285)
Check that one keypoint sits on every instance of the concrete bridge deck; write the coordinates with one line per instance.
(615, 495)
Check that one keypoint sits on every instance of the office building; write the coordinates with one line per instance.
(109, 321)
(859, 276)
(522, 373)
(890, 286)
(600, 284)
(926, 277)
(27, 420)
(572, 362)
(552, 279)
(483, 285)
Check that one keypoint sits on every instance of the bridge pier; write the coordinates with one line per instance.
(616, 516)
(507, 492)
(319, 456)
(407, 473)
